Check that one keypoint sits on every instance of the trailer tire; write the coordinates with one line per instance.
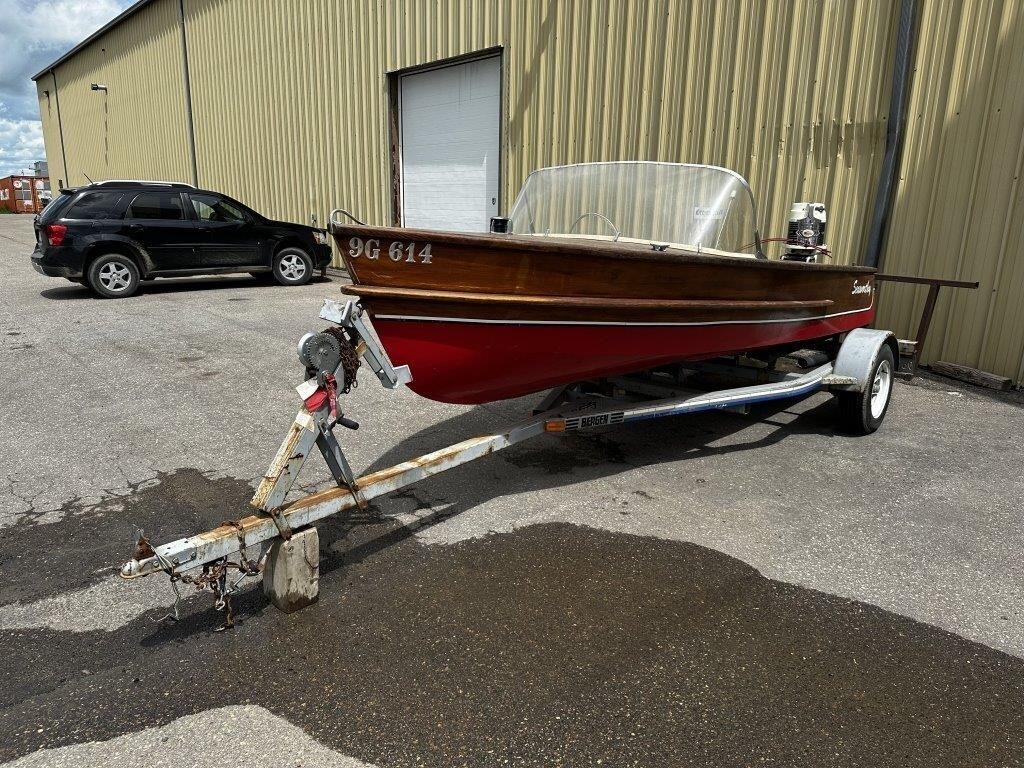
(862, 412)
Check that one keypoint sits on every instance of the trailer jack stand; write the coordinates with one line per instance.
(289, 561)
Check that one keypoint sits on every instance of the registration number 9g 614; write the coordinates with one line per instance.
(409, 253)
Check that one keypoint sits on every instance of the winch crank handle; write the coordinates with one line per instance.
(347, 423)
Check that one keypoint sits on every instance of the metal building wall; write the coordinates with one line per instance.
(959, 211)
(46, 91)
(137, 128)
(291, 101)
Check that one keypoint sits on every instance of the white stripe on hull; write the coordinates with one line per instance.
(600, 322)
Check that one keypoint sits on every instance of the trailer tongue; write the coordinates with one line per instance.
(860, 374)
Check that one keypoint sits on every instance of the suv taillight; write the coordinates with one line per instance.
(55, 233)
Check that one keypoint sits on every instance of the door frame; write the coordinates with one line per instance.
(395, 119)
(188, 221)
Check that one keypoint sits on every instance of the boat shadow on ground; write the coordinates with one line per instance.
(549, 462)
(554, 462)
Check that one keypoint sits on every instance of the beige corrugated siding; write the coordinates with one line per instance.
(959, 211)
(47, 93)
(136, 129)
(291, 107)
(291, 115)
(291, 100)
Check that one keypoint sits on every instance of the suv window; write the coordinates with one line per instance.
(94, 205)
(54, 207)
(214, 208)
(156, 205)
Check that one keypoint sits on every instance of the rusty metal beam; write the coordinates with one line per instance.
(194, 551)
(928, 281)
(933, 283)
(313, 429)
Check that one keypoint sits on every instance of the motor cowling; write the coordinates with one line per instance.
(805, 237)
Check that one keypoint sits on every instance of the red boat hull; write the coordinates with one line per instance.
(488, 317)
(467, 362)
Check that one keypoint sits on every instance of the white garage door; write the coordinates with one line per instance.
(449, 146)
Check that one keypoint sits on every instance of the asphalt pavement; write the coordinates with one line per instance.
(715, 590)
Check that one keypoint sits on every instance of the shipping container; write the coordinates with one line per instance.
(24, 194)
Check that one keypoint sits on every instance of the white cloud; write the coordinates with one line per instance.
(57, 22)
(21, 144)
(32, 34)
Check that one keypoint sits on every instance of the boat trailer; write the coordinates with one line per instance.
(285, 535)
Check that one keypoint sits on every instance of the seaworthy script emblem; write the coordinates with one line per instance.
(858, 288)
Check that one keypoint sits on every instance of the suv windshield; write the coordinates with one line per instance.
(692, 207)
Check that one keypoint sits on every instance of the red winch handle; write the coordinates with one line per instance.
(331, 385)
(326, 394)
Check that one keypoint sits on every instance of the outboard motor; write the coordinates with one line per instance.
(806, 235)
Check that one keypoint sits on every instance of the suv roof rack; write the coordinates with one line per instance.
(141, 183)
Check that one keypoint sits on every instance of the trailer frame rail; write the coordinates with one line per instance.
(617, 400)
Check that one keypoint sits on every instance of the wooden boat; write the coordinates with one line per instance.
(481, 317)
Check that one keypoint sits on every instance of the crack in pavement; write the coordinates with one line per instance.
(43, 559)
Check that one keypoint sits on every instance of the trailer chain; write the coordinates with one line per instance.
(245, 565)
(215, 577)
(349, 359)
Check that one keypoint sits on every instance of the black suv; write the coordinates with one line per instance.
(112, 234)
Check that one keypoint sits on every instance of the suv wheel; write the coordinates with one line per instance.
(292, 266)
(113, 276)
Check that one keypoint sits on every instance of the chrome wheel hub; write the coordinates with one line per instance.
(293, 267)
(115, 277)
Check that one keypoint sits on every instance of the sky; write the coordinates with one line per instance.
(32, 34)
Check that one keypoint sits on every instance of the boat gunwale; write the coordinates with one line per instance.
(584, 302)
(606, 250)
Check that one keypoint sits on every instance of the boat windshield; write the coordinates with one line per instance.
(670, 205)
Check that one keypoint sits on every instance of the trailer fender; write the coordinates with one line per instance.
(857, 356)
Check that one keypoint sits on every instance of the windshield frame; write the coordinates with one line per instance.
(758, 252)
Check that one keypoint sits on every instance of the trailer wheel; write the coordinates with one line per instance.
(862, 412)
